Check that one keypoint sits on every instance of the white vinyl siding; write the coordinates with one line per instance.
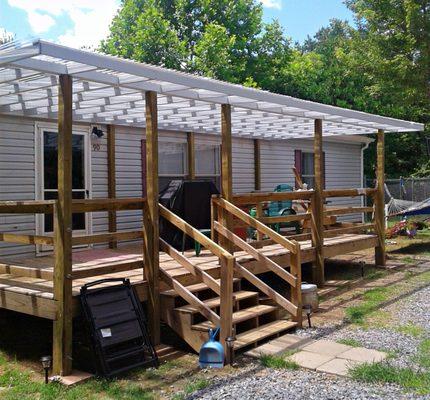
(17, 179)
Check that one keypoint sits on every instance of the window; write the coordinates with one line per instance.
(308, 172)
(172, 162)
(208, 162)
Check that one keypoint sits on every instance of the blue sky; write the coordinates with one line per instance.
(80, 23)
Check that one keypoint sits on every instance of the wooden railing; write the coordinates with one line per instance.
(343, 228)
(259, 200)
(224, 289)
(292, 278)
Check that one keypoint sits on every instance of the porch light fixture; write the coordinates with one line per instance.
(46, 364)
(97, 132)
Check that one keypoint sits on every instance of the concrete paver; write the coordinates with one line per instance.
(327, 347)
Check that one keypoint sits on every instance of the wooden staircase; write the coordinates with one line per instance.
(256, 312)
(252, 321)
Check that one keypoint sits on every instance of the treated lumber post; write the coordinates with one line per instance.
(257, 164)
(380, 256)
(111, 180)
(318, 208)
(62, 328)
(296, 292)
(191, 156)
(227, 266)
(151, 242)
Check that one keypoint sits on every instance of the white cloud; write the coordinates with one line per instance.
(272, 4)
(91, 19)
(40, 22)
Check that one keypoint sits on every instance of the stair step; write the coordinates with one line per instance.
(238, 316)
(197, 287)
(215, 302)
(262, 332)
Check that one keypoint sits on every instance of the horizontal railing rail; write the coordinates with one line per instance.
(254, 223)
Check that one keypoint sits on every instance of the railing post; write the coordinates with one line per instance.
(380, 256)
(318, 208)
(62, 328)
(226, 304)
(214, 217)
(259, 214)
(151, 268)
(296, 292)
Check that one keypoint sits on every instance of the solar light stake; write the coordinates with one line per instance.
(362, 263)
(308, 310)
(46, 364)
(230, 344)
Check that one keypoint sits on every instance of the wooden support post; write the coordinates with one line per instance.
(296, 292)
(257, 164)
(191, 156)
(380, 256)
(111, 180)
(151, 241)
(227, 266)
(318, 208)
(62, 331)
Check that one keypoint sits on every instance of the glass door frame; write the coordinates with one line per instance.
(40, 128)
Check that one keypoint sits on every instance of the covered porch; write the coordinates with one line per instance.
(51, 82)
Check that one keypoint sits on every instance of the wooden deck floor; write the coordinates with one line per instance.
(26, 283)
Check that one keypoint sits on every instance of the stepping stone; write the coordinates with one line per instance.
(337, 366)
(280, 345)
(306, 359)
(363, 355)
(327, 347)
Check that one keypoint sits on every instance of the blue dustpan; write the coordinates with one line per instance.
(212, 352)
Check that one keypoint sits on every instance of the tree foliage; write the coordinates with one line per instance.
(381, 66)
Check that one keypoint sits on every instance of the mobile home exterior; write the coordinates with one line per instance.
(28, 169)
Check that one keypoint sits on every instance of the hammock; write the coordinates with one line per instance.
(406, 207)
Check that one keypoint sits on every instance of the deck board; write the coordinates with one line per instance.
(25, 280)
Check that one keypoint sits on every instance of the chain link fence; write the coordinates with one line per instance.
(411, 189)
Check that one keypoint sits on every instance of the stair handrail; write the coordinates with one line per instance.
(294, 307)
(291, 245)
(227, 261)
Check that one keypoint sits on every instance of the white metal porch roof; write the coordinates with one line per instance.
(110, 90)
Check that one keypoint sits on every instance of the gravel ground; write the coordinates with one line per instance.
(301, 384)
(260, 383)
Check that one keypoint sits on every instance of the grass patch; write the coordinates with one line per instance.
(419, 382)
(408, 260)
(371, 302)
(423, 357)
(278, 362)
(349, 342)
(192, 387)
(411, 330)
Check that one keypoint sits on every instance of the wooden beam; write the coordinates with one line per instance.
(254, 198)
(26, 239)
(27, 207)
(257, 164)
(348, 192)
(227, 265)
(62, 332)
(380, 255)
(317, 207)
(151, 242)
(191, 152)
(111, 181)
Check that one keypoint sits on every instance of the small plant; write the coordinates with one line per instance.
(349, 342)
(278, 362)
(411, 330)
(384, 373)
